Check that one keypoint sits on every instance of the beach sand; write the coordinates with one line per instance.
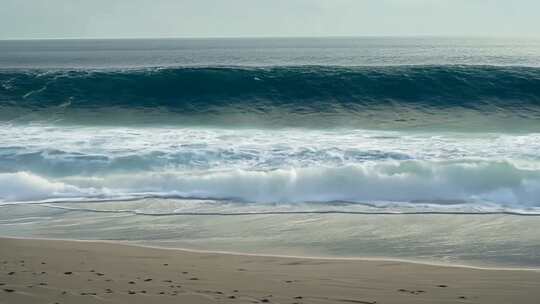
(46, 271)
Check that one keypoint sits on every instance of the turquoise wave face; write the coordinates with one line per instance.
(444, 97)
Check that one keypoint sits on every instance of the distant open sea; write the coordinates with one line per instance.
(424, 149)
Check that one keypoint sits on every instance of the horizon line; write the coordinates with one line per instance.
(276, 37)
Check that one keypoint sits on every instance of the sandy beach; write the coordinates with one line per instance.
(47, 271)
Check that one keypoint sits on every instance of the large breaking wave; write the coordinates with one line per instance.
(277, 96)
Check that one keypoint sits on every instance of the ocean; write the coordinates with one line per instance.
(421, 149)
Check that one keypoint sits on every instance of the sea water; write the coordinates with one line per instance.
(410, 148)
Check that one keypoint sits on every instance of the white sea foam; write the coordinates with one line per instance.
(26, 186)
(47, 162)
(407, 181)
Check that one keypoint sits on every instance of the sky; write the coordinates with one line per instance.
(32, 19)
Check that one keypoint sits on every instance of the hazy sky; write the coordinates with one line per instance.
(234, 18)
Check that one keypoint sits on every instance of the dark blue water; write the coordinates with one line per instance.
(133, 53)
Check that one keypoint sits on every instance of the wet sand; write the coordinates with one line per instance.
(45, 271)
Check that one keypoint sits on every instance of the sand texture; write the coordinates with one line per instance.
(44, 271)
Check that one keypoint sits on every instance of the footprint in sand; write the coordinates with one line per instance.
(414, 292)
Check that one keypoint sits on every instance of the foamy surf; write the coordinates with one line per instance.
(411, 181)
(270, 166)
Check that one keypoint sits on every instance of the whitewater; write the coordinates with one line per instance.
(316, 147)
(272, 166)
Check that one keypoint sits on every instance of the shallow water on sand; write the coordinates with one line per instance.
(495, 240)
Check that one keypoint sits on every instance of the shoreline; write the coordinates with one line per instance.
(281, 256)
(59, 271)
